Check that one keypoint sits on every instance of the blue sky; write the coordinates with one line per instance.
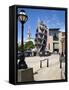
(52, 18)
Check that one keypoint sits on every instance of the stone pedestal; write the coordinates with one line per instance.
(25, 75)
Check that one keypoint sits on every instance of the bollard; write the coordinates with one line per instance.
(47, 62)
(60, 64)
(40, 64)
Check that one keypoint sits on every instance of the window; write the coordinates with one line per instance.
(56, 46)
(55, 37)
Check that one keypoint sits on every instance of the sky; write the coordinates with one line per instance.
(52, 18)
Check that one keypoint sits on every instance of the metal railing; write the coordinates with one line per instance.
(44, 60)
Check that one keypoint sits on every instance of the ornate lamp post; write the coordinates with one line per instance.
(22, 17)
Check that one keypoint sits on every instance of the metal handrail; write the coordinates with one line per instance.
(44, 60)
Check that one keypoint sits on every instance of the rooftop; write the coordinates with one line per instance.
(53, 29)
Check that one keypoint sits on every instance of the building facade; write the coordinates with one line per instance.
(53, 40)
(63, 42)
(56, 41)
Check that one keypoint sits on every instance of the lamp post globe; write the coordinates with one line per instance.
(22, 17)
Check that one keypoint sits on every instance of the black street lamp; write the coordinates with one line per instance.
(22, 17)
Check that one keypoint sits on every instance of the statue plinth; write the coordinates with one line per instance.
(25, 75)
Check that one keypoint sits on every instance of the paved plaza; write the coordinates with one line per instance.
(53, 72)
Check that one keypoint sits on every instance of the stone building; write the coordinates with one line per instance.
(63, 42)
(55, 40)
